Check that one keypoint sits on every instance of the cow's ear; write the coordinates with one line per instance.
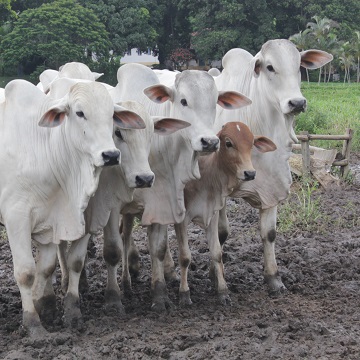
(159, 93)
(97, 75)
(55, 116)
(264, 144)
(232, 100)
(167, 126)
(257, 62)
(313, 59)
(126, 119)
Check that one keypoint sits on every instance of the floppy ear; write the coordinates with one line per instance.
(159, 93)
(97, 75)
(313, 59)
(55, 116)
(232, 100)
(126, 119)
(167, 126)
(264, 144)
(257, 63)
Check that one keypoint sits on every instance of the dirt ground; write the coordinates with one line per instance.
(318, 318)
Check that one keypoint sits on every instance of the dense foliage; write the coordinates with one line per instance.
(208, 28)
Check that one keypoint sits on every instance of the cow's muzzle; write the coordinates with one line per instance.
(210, 144)
(144, 181)
(249, 175)
(111, 157)
(297, 105)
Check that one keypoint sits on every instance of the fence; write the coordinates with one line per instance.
(304, 138)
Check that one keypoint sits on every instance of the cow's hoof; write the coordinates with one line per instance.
(72, 314)
(161, 305)
(113, 304)
(275, 285)
(224, 299)
(184, 299)
(171, 275)
(46, 308)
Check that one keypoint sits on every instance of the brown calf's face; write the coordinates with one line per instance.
(236, 142)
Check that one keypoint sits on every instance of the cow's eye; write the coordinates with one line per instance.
(183, 102)
(80, 114)
(270, 68)
(228, 143)
(118, 134)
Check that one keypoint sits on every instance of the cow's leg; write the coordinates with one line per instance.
(127, 226)
(61, 254)
(268, 235)
(169, 264)
(74, 262)
(43, 291)
(184, 261)
(223, 227)
(24, 272)
(157, 246)
(112, 255)
(216, 260)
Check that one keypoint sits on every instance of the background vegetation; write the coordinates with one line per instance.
(43, 34)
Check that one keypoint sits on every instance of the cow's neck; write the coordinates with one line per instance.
(78, 179)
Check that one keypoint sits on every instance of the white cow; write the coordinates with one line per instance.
(214, 72)
(271, 79)
(173, 159)
(72, 70)
(2, 95)
(49, 173)
(220, 173)
(115, 190)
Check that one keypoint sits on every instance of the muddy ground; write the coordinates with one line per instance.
(318, 318)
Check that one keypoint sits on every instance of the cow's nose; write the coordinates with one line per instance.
(297, 105)
(143, 181)
(210, 144)
(249, 175)
(111, 157)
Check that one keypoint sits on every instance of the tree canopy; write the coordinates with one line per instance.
(54, 34)
(49, 33)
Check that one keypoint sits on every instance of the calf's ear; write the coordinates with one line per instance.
(264, 144)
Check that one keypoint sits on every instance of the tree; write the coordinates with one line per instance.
(356, 48)
(128, 23)
(6, 12)
(301, 41)
(52, 35)
(219, 25)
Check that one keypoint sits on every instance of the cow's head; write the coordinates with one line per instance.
(236, 143)
(194, 97)
(134, 145)
(277, 69)
(88, 115)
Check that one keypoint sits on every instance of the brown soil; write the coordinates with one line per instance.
(318, 318)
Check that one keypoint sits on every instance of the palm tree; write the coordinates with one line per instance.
(321, 33)
(301, 41)
(346, 59)
(356, 49)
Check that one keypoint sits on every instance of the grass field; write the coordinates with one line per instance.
(332, 108)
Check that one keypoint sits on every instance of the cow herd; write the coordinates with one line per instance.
(78, 156)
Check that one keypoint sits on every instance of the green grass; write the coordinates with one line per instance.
(332, 108)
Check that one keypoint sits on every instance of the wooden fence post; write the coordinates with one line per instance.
(305, 152)
(344, 170)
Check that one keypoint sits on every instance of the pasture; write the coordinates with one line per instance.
(318, 258)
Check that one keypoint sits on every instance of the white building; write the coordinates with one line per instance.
(136, 56)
